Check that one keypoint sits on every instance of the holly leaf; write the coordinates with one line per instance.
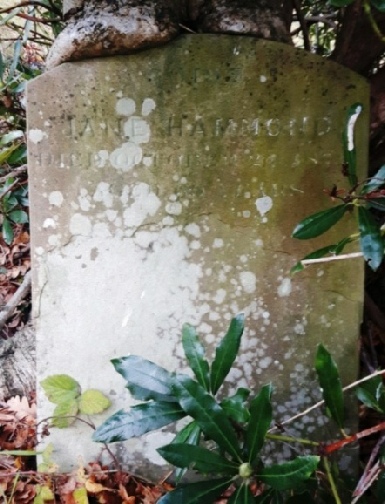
(195, 355)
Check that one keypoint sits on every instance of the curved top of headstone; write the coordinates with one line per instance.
(104, 28)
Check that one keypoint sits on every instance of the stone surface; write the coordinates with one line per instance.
(164, 189)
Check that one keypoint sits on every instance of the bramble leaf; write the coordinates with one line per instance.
(92, 402)
(60, 388)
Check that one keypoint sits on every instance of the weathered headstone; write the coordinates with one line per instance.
(164, 189)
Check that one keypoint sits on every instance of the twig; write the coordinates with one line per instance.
(339, 257)
(320, 403)
(16, 299)
(333, 486)
(14, 173)
(302, 22)
(9, 188)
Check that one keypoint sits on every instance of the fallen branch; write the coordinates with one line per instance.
(16, 299)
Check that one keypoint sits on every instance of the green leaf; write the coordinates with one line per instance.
(92, 402)
(348, 141)
(374, 182)
(7, 231)
(197, 458)
(195, 355)
(65, 409)
(242, 495)
(289, 475)
(6, 153)
(330, 383)
(261, 414)
(301, 499)
(234, 406)
(17, 46)
(60, 388)
(371, 242)
(370, 392)
(226, 352)
(189, 434)
(140, 419)
(18, 216)
(379, 5)
(202, 492)
(318, 223)
(210, 417)
(145, 379)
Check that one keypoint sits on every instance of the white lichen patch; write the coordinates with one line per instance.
(80, 225)
(55, 198)
(37, 135)
(248, 281)
(285, 287)
(264, 205)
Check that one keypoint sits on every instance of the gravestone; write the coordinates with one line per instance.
(164, 189)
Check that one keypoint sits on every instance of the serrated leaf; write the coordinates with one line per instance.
(7, 231)
(202, 492)
(92, 402)
(197, 458)
(316, 224)
(226, 352)
(261, 414)
(65, 409)
(18, 216)
(60, 388)
(145, 379)
(374, 182)
(330, 383)
(210, 417)
(234, 406)
(371, 242)
(242, 495)
(195, 352)
(140, 419)
(349, 143)
(289, 475)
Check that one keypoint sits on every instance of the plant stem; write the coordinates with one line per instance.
(331, 481)
(290, 439)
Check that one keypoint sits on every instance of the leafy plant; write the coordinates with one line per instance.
(70, 401)
(361, 198)
(224, 438)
